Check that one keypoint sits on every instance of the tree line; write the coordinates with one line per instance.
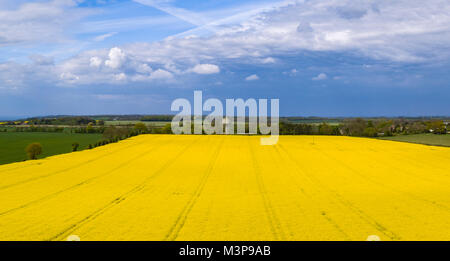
(347, 127)
(366, 128)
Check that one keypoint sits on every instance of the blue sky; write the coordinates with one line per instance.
(320, 58)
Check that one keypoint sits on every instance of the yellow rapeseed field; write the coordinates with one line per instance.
(166, 187)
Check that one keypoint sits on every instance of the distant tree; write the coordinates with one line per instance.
(110, 132)
(167, 129)
(90, 128)
(438, 127)
(90, 146)
(140, 127)
(33, 150)
(157, 118)
(385, 127)
(325, 129)
(370, 132)
(417, 127)
(355, 127)
(75, 146)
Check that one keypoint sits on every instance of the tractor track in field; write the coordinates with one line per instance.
(181, 218)
(361, 214)
(66, 169)
(179, 189)
(395, 190)
(411, 161)
(323, 214)
(274, 221)
(408, 173)
(107, 173)
(443, 171)
(421, 165)
(121, 198)
(429, 146)
(32, 164)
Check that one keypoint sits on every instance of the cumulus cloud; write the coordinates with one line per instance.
(116, 58)
(205, 69)
(161, 75)
(120, 77)
(252, 77)
(144, 68)
(95, 61)
(69, 77)
(405, 31)
(380, 33)
(320, 77)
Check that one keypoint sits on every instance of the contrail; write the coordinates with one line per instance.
(203, 23)
(183, 14)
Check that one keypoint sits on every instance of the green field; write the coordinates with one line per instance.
(12, 144)
(427, 139)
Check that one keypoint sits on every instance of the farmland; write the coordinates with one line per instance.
(167, 187)
(12, 144)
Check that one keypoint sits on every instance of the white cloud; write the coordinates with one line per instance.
(38, 22)
(252, 77)
(378, 32)
(120, 77)
(395, 31)
(116, 58)
(104, 36)
(161, 75)
(292, 72)
(95, 61)
(205, 69)
(268, 60)
(144, 68)
(69, 77)
(320, 77)
(317, 26)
